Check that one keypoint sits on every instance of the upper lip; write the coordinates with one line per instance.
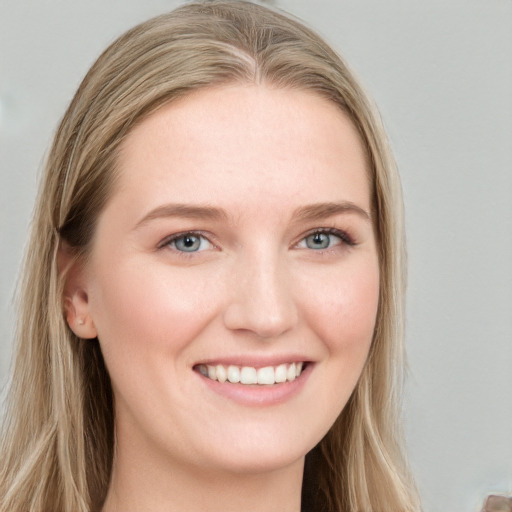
(255, 361)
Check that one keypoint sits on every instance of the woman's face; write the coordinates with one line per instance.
(238, 245)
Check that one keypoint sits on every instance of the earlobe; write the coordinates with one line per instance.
(75, 298)
(78, 317)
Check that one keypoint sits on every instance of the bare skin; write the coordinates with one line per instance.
(239, 235)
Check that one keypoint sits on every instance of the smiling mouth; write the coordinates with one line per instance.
(266, 376)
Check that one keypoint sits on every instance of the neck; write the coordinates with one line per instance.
(149, 486)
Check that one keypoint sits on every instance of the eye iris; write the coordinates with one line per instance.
(188, 243)
(318, 241)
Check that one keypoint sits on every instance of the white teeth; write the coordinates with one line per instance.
(266, 375)
(233, 374)
(249, 375)
(222, 375)
(291, 373)
(280, 373)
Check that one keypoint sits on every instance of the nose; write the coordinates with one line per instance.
(261, 298)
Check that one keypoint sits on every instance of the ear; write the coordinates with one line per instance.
(75, 295)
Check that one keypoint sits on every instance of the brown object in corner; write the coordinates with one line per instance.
(497, 504)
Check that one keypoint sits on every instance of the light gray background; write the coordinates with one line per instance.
(441, 72)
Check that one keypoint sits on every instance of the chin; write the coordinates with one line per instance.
(262, 449)
(258, 461)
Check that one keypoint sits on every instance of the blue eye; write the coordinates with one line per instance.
(321, 240)
(189, 242)
(318, 241)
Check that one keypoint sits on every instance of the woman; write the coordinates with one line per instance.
(211, 313)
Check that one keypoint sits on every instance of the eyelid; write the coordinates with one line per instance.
(175, 236)
(343, 235)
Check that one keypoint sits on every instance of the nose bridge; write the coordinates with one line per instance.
(261, 299)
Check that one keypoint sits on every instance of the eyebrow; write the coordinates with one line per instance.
(311, 212)
(322, 210)
(184, 211)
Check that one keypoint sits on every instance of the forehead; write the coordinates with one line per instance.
(234, 141)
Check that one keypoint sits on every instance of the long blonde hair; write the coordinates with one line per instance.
(58, 434)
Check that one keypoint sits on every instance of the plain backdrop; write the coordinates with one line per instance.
(441, 73)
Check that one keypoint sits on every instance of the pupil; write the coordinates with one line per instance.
(318, 241)
(188, 243)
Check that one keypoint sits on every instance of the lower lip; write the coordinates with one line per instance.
(259, 395)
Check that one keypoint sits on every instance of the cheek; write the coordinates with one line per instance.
(343, 310)
(342, 314)
(150, 310)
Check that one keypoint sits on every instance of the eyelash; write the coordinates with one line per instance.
(344, 237)
(166, 242)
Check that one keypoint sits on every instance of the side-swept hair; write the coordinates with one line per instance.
(58, 435)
